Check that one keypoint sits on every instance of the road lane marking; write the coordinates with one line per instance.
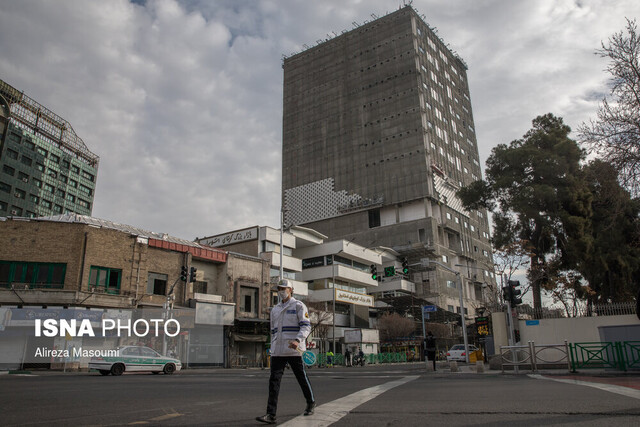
(625, 391)
(157, 419)
(332, 412)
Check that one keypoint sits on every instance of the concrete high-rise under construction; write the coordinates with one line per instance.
(378, 135)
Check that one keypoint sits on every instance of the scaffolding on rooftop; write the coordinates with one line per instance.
(29, 115)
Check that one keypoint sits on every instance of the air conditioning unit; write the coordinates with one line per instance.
(14, 212)
(25, 179)
(18, 195)
(20, 286)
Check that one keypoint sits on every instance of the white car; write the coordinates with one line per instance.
(134, 358)
(458, 354)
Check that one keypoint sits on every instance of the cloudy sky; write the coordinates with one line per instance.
(182, 100)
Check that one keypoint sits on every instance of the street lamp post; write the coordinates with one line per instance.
(333, 280)
(462, 318)
(281, 243)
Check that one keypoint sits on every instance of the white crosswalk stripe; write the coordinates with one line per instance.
(332, 412)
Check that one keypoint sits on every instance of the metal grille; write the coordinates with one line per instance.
(316, 201)
(28, 114)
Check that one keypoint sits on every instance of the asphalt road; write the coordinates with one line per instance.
(378, 395)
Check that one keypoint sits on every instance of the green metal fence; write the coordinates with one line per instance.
(337, 359)
(386, 358)
(619, 355)
(370, 359)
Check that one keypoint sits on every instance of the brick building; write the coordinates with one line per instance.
(73, 262)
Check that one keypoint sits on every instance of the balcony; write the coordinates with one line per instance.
(290, 263)
(396, 285)
(340, 272)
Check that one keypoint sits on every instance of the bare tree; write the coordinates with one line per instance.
(615, 134)
(320, 319)
(393, 326)
(567, 289)
(508, 259)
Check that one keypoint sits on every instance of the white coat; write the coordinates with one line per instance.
(289, 321)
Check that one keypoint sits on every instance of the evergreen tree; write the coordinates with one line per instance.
(537, 193)
(612, 265)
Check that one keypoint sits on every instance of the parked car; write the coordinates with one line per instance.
(134, 358)
(457, 352)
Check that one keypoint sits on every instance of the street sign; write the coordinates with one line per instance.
(429, 308)
(309, 358)
(482, 325)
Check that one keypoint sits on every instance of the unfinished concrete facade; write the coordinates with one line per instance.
(378, 135)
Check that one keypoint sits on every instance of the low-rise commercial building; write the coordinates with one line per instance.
(73, 262)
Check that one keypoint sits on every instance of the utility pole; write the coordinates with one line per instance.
(333, 270)
(462, 317)
(281, 242)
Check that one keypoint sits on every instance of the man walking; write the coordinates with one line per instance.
(430, 348)
(290, 327)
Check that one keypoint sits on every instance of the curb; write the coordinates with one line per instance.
(15, 372)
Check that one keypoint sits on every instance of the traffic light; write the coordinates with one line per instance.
(374, 272)
(405, 266)
(514, 293)
(184, 273)
(506, 294)
(192, 274)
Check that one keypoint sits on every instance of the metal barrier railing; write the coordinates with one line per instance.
(374, 358)
(619, 355)
(596, 355)
(532, 356)
(631, 354)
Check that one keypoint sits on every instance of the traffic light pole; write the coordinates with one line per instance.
(168, 313)
(462, 317)
(512, 340)
(281, 243)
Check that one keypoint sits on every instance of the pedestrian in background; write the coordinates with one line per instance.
(290, 328)
(347, 357)
(430, 348)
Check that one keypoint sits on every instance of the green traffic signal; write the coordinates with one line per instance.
(374, 272)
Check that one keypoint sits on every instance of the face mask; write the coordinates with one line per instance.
(283, 294)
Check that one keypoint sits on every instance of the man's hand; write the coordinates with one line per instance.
(294, 345)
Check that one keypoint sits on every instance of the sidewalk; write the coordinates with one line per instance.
(442, 367)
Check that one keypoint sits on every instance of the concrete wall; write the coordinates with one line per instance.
(500, 332)
(574, 329)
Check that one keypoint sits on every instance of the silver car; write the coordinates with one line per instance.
(134, 358)
(458, 354)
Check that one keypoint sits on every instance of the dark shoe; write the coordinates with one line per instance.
(310, 409)
(267, 418)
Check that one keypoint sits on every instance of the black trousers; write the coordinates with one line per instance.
(431, 355)
(277, 369)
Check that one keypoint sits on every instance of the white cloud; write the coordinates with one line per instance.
(183, 100)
